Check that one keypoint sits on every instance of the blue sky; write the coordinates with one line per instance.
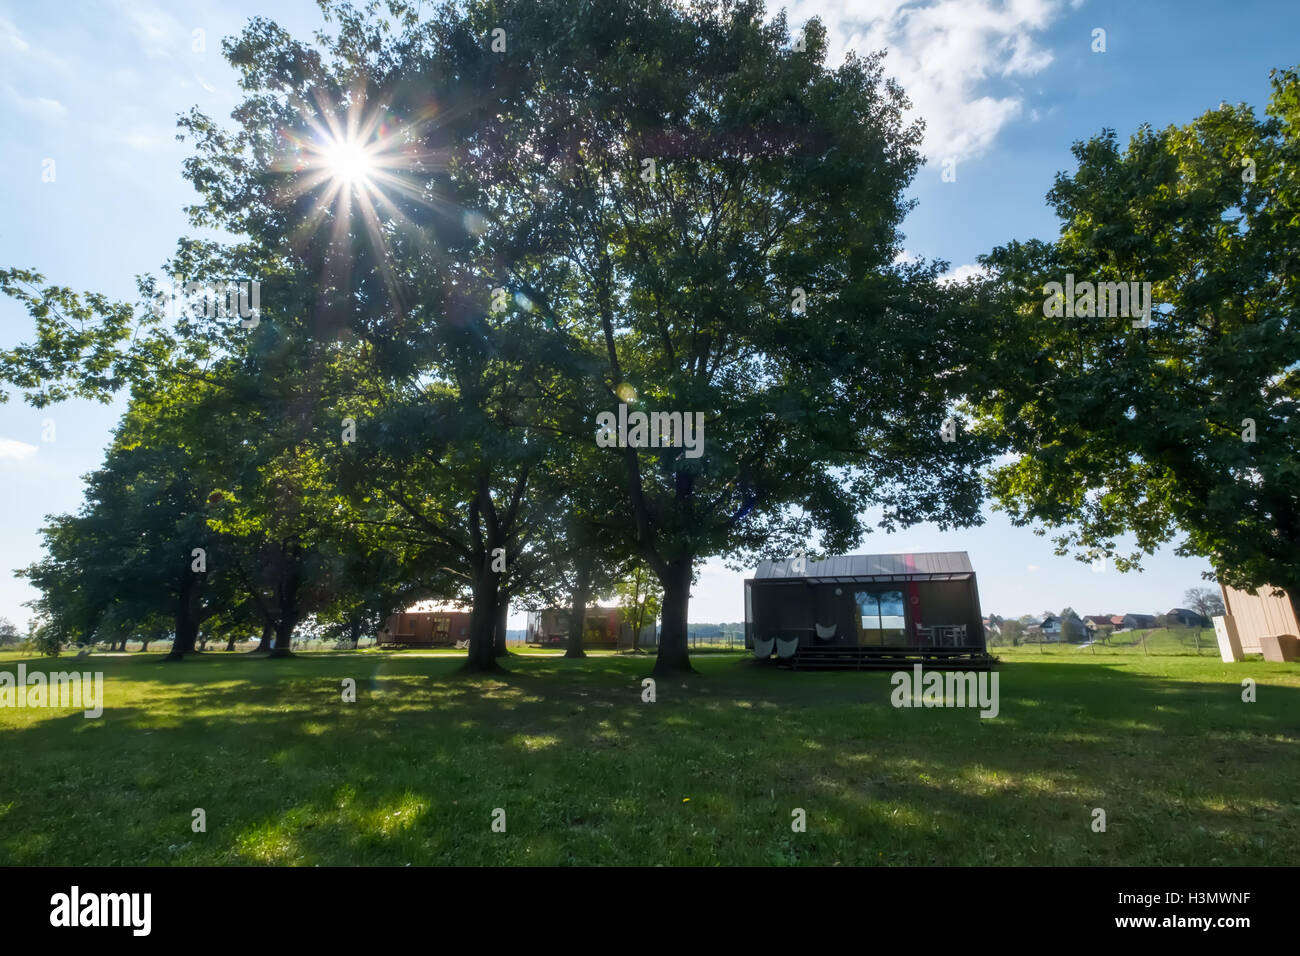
(1004, 87)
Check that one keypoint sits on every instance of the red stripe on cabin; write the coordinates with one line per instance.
(914, 599)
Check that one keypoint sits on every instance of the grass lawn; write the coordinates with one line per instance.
(1162, 640)
(710, 773)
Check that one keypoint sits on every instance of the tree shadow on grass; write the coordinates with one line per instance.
(586, 772)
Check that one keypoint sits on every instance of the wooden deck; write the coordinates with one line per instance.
(413, 640)
(889, 658)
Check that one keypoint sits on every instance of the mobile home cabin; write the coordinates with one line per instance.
(604, 627)
(440, 628)
(867, 610)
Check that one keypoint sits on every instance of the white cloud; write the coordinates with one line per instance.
(11, 450)
(945, 53)
(143, 138)
(42, 107)
(13, 42)
(10, 38)
(1032, 568)
(963, 272)
(159, 34)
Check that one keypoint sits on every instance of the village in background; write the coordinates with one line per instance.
(610, 626)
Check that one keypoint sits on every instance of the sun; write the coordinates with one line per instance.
(365, 173)
(348, 162)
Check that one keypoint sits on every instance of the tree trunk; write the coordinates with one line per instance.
(674, 651)
(187, 625)
(288, 591)
(640, 599)
(284, 635)
(268, 632)
(502, 617)
(578, 612)
(230, 644)
(187, 631)
(144, 645)
(482, 623)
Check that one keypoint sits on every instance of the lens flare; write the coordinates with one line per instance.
(349, 162)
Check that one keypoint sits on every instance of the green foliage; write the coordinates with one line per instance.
(1072, 627)
(1123, 430)
(1012, 632)
(640, 598)
(47, 639)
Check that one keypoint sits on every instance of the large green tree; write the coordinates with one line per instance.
(1180, 425)
(141, 546)
(708, 215)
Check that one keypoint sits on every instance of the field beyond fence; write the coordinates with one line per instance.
(1160, 641)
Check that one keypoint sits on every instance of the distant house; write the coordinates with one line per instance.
(1117, 621)
(1072, 626)
(1182, 617)
(992, 627)
(1099, 622)
(1141, 622)
(1051, 627)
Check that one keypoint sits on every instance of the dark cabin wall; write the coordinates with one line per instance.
(944, 602)
(784, 606)
(977, 621)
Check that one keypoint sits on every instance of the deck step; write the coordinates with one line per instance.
(866, 658)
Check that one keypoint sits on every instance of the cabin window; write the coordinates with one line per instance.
(881, 617)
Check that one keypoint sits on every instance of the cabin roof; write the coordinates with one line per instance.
(870, 568)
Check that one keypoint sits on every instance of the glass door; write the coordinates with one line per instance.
(881, 618)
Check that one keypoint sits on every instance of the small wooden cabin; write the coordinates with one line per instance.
(604, 627)
(438, 628)
(1262, 622)
(867, 610)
